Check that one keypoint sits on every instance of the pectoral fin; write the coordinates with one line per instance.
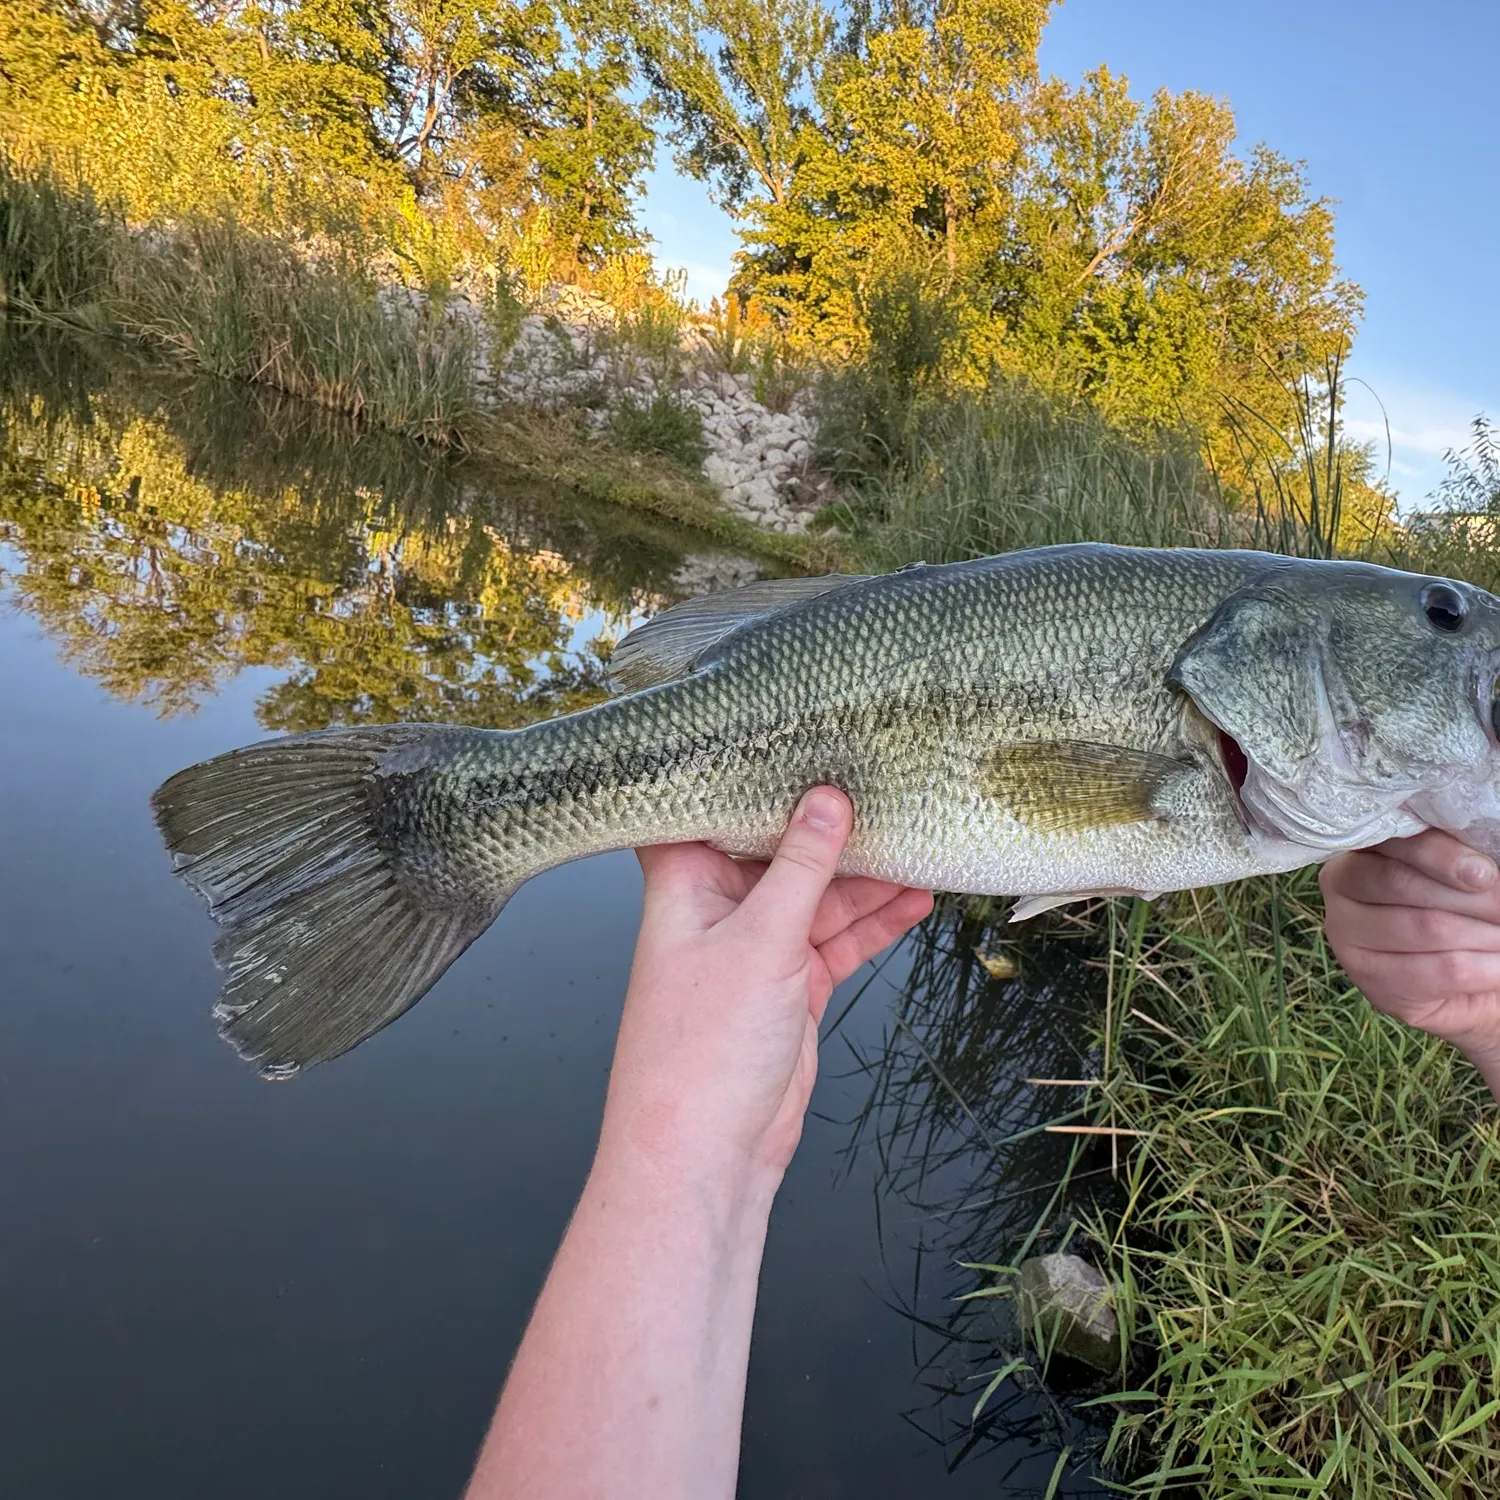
(1069, 786)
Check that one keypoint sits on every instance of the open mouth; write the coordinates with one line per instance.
(1236, 766)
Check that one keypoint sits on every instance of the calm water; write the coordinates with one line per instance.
(214, 1286)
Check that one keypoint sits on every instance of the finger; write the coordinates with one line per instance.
(685, 874)
(1409, 929)
(1445, 859)
(858, 943)
(846, 901)
(1378, 879)
(1421, 978)
(786, 898)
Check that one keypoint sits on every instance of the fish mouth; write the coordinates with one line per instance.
(1234, 763)
(1236, 766)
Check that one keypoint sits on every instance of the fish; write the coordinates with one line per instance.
(1055, 724)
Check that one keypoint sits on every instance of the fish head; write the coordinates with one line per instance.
(1353, 703)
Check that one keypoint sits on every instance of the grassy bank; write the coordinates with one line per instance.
(550, 450)
(1304, 1211)
(1309, 1242)
(239, 305)
(213, 296)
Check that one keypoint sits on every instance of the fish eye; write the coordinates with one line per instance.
(1444, 607)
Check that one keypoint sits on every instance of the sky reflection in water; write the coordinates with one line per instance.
(213, 1285)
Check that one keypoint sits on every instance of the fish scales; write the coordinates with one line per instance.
(899, 694)
(1047, 724)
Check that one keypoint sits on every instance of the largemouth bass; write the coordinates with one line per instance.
(1052, 725)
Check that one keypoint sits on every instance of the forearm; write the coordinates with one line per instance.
(630, 1379)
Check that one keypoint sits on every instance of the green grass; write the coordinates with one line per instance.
(249, 308)
(1309, 1243)
(664, 426)
(57, 247)
(1297, 1198)
(1009, 469)
(237, 304)
(1305, 1215)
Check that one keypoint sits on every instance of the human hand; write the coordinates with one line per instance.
(733, 970)
(1416, 925)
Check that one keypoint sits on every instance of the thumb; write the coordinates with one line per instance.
(787, 895)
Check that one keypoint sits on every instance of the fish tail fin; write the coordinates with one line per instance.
(323, 942)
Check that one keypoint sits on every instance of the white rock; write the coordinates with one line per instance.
(763, 493)
(1066, 1305)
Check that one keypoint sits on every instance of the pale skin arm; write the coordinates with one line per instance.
(1416, 925)
(630, 1380)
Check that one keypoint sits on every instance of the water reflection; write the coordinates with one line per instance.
(956, 1113)
(170, 534)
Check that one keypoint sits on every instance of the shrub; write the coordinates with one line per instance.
(662, 425)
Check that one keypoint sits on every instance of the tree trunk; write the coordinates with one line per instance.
(950, 213)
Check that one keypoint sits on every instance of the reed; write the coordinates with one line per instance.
(237, 304)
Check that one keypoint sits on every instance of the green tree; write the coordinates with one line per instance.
(1157, 272)
(434, 128)
(594, 143)
(910, 166)
(735, 78)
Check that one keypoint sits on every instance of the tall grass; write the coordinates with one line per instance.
(57, 246)
(1010, 468)
(237, 304)
(1296, 1198)
(1310, 1238)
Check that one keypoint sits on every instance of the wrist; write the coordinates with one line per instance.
(671, 1171)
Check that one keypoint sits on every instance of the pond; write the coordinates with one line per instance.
(213, 1285)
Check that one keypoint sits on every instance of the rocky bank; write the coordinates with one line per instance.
(569, 353)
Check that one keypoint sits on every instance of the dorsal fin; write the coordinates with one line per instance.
(668, 645)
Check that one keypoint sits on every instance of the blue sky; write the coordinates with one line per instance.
(1394, 110)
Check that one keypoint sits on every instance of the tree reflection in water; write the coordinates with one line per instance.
(957, 1126)
(171, 533)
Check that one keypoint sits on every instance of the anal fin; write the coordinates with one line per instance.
(1033, 906)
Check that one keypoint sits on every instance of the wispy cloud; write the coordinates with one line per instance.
(1432, 441)
(1411, 427)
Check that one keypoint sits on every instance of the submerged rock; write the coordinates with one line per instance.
(1067, 1307)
